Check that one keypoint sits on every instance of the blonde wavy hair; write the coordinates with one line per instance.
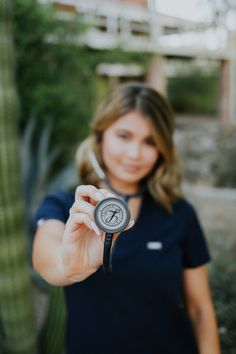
(164, 183)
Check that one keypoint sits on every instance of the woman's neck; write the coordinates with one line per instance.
(120, 187)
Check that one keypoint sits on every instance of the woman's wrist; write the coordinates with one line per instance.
(66, 277)
(76, 278)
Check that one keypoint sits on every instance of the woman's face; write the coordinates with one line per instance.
(129, 149)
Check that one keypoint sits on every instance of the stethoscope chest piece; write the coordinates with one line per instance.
(111, 215)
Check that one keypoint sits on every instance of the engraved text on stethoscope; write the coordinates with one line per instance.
(113, 216)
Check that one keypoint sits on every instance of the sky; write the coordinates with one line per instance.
(195, 10)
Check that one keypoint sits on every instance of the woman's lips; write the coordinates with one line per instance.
(131, 168)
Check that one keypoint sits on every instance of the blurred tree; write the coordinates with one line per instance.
(56, 74)
(17, 331)
(221, 9)
(194, 91)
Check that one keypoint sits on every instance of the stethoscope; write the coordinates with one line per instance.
(112, 214)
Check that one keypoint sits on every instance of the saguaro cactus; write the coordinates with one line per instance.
(17, 333)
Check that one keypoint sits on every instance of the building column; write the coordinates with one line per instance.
(232, 79)
(224, 102)
(156, 76)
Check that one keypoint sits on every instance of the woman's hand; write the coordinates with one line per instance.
(82, 242)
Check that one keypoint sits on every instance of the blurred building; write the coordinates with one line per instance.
(136, 25)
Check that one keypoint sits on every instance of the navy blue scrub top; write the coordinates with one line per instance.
(138, 309)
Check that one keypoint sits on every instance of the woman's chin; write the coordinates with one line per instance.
(127, 177)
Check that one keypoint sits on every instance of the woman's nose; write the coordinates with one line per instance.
(134, 150)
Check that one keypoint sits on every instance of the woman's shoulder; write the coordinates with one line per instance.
(61, 196)
(184, 205)
(184, 210)
(180, 205)
(55, 205)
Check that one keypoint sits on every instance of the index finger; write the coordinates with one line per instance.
(87, 193)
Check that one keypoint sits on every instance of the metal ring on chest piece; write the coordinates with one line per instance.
(111, 215)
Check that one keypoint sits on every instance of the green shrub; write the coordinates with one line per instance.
(223, 275)
(223, 166)
(194, 92)
(57, 79)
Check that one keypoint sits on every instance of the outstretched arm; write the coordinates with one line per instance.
(67, 253)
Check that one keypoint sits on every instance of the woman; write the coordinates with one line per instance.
(157, 299)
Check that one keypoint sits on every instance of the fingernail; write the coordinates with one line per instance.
(110, 195)
(95, 228)
(99, 196)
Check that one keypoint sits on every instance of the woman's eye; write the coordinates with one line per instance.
(150, 142)
(122, 136)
